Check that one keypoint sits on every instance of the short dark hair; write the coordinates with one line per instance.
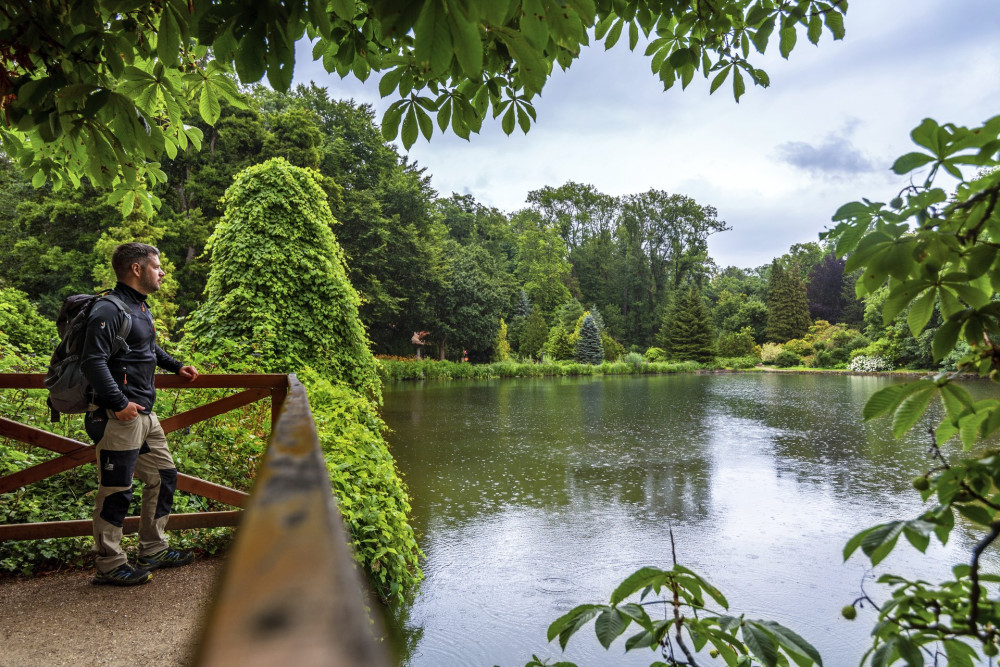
(128, 254)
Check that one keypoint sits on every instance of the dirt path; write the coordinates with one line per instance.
(62, 619)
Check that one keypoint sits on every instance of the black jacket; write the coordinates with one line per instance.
(129, 375)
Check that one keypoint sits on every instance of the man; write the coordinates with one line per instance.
(128, 435)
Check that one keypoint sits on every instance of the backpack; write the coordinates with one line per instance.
(69, 390)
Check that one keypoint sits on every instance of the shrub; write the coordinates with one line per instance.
(634, 359)
(24, 328)
(655, 354)
(737, 344)
(613, 350)
(799, 346)
(769, 352)
(868, 364)
(787, 358)
(748, 361)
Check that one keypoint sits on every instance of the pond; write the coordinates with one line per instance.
(533, 496)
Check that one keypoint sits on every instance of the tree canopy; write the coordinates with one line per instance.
(103, 88)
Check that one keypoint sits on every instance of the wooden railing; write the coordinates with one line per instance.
(290, 591)
(76, 453)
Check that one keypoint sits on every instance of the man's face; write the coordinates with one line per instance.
(151, 275)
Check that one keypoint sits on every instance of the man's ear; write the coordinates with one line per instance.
(136, 269)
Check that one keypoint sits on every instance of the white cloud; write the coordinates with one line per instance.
(843, 108)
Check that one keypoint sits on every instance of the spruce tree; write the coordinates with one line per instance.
(787, 304)
(523, 306)
(588, 346)
(686, 333)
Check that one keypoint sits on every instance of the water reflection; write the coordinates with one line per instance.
(533, 496)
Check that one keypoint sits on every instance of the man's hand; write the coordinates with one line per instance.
(189, 373)
(129, 412)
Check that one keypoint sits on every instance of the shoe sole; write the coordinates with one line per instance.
(99, 580)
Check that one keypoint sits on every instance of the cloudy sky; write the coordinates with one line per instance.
(775, 166)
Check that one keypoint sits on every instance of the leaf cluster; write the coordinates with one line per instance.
(936, 252)
(103, 89)
(685, 596)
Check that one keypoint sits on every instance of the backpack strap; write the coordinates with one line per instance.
(123, 331)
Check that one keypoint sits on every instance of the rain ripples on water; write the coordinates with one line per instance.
(533, 496)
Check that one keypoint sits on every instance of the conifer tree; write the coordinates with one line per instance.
(686, 332)
(523, 305)
(558, 346)
(588, 346)
(787, 304)
(535, 333)
(515, 330)
(501, 350)
(598, 318)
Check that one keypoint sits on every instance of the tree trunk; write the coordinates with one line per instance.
(441, 348)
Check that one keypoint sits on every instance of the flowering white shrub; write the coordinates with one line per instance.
(866, 364)
(770, 352)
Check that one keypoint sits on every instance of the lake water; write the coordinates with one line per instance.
(533, 496)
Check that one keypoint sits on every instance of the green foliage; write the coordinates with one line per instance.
(23, 326)
(501, 349)
(48, 239)
(558, 346)
(371, 496)
(688, 625)
(467, 310)
(613, 350)
(787, 358)
(395, 370)
(634, 359)
(751, 361)
(655, 354)
(149, 68)
(279, 283)
(534, 335)
(935, 251)
(686, 332)
(588, 345)
(787, 304)
(737, 344)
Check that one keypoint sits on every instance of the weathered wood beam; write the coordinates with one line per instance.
(290, 587)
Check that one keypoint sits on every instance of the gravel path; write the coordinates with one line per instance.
(62, 619)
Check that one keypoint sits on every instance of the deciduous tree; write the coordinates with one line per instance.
(103, 89)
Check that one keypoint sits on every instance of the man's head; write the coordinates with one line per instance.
(138, 266)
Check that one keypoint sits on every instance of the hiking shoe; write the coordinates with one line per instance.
(123, 575)
(165, 558)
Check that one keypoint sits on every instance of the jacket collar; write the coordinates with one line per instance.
(129, 293)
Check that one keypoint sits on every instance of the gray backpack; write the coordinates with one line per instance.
(69, 390)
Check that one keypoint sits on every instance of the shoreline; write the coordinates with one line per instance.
(414, 371)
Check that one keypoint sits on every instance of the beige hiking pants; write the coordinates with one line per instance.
(126, 448)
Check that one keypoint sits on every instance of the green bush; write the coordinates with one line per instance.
(787, 358)
(23, 327)
(634, 359)
(655, 354)
(370, 493)
(749, 361)
(737, 344)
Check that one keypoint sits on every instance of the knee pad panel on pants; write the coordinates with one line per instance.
(117, 467)
(115, 507)
(168, 485)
